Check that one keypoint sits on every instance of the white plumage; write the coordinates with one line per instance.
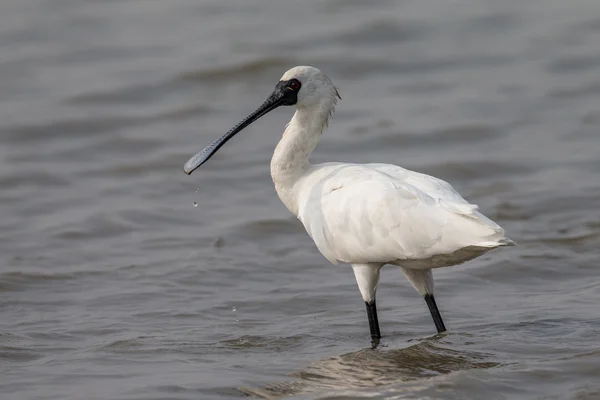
(387, 214)
(367, 215)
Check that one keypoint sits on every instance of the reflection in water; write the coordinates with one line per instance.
(371, 368)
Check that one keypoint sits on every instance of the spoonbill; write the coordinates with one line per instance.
(366, 215)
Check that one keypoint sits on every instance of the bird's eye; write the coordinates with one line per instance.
(294, 84)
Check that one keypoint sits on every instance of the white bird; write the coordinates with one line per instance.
(366, 215)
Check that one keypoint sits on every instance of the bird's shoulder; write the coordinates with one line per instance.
(356, 184)
(434, 187)
(354, 181)
(383, 177)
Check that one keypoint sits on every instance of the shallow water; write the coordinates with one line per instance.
(114, 286)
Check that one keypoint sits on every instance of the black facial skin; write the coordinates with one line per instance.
(284, 94)
(290, 90)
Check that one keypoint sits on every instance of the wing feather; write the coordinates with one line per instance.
(381, 213)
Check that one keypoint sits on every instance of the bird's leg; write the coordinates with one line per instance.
(373, 323)
(367, 277)
(422, 281)
(435, 313)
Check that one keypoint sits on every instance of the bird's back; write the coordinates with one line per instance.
(384, 213)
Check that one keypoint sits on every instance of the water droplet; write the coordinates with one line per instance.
(197, 190)
(233, 309)
(195, 204)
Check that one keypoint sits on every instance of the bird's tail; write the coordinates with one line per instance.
(487, 233)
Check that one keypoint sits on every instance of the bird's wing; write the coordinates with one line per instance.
(432, 186)
(364, 214)
(440, 190)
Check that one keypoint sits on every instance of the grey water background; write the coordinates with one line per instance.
(113, 285)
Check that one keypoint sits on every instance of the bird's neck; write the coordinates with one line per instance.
(291, 157)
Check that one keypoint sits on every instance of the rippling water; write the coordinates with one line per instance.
(114, 286)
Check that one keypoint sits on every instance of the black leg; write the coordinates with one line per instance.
(373, 323)
(435, 313)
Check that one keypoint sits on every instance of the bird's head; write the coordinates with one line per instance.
(303, 87)
(308, 87)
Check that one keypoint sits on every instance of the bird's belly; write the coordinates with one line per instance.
(443, 260)
(420, 262)
(357, 248)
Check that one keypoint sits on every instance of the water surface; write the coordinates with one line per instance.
(114, 286)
